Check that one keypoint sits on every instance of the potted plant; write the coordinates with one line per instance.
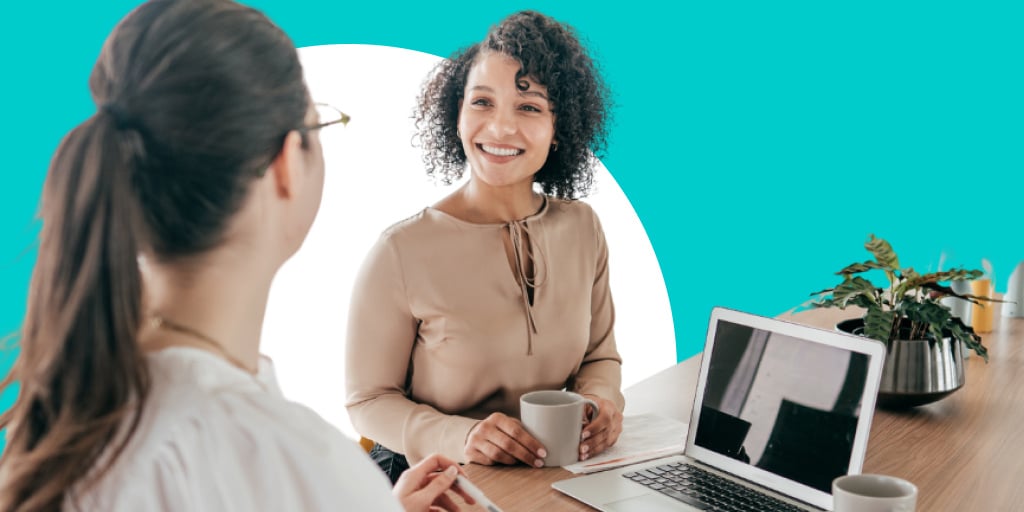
(925, 341)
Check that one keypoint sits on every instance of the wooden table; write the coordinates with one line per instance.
(964, 453)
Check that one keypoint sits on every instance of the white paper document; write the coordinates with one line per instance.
(644, 437)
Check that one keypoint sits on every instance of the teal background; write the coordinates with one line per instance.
(760, 142)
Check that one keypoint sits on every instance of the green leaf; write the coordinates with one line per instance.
(883, 253)
(826, 290)
(935, 277)
(946, 291)
(940, 320)
(965, 334)
(863, 301)
(856, 287)
(959, 274)
(909, 273)
(878, 324)
(926, 312)
(858, 268)
(942, 290)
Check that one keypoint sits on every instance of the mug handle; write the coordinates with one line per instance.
(594, 411)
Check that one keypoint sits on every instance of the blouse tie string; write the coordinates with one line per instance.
(517, 230)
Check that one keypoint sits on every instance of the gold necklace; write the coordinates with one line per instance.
(160, 322)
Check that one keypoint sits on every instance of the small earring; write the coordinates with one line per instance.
(458, 134)
(554, 146)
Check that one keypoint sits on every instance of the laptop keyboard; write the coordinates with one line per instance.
(705, 490)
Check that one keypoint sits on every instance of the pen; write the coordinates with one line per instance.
(477, 494)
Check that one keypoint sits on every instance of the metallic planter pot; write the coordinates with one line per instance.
(916, 372)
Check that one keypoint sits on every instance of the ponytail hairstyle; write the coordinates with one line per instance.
(194, 100)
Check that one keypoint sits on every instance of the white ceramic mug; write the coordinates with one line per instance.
(1014, 305)
(873, 493)
(960, 307)
(555, 418)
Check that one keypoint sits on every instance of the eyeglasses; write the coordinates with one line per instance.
(327, 116)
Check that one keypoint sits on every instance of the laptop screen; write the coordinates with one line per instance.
(782, 404)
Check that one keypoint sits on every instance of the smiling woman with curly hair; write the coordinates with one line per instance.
(549, 53)
(500, 288)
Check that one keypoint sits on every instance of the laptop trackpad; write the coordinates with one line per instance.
(647, 503)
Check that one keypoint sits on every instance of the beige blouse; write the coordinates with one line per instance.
(440, 333)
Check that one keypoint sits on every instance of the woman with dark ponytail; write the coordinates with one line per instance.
(165, 217)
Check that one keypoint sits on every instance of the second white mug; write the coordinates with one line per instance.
(873, 493)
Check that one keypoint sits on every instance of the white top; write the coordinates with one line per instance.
(214, 438)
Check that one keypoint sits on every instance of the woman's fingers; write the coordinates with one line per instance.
(496, 454)
(422, 488)
(503, 440)
(500, 439)
(603, 431)
(446, 503)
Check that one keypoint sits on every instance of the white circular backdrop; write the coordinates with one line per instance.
(375, 178)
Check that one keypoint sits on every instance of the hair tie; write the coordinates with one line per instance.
(121, 119)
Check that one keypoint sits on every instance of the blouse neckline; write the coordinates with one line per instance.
(264, 378)
(537, 215)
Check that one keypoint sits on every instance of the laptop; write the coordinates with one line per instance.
(780, 410)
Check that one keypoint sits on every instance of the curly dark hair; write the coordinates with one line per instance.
(549, 53)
